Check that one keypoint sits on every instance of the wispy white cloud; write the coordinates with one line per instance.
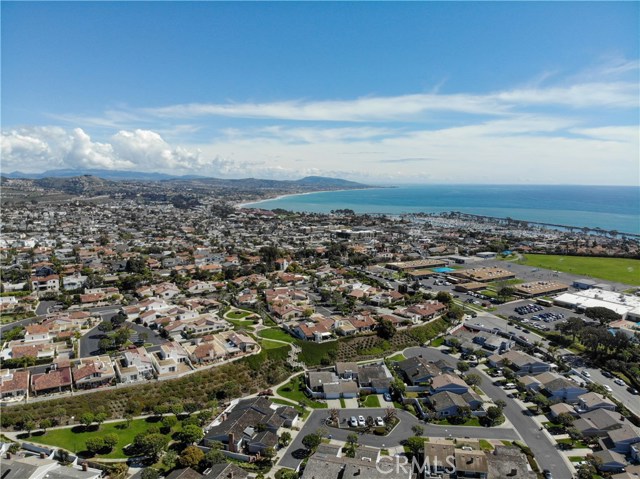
(618, 94)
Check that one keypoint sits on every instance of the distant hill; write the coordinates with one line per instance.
(325, 181)
(105, 174)
(107, 182)
(309, 181)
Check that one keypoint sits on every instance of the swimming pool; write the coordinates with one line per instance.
(443, 270)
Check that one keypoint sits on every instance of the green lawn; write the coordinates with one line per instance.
(397, 357)
(276, 333)
(293, 390)
(372, 401)
(472, 421)
(76, 441)
(238, 314)
(343, 403)
(240, 324)
(266, 344)
(623, 270)
(437, 342)
(486, 445)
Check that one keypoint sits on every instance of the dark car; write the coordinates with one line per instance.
(607, 374)
(633, 390)
(547, 474)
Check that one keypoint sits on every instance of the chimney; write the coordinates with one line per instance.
(84, 466)
(42, 455)
(470, 460)
(8, 455)
(232, 445)
(513, 473)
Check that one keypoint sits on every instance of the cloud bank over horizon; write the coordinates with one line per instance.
(556, 134)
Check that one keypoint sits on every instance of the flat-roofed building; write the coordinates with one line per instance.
(417, 264)
(484, 275)
(539, 288)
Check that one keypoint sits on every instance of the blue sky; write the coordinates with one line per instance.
(428, 92)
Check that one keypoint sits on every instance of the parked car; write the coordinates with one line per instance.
(379, 421)
(607, 388)
(361, 421)
(387, 397)
(586, 374)
(632, 390)
(607, 374)
(353, 422)
(619, 382)
(547, 474)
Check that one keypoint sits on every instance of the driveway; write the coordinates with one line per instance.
(296, 452)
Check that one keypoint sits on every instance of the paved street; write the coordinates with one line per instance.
(540, 443)
(402, 431)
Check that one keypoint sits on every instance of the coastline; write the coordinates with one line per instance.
(251, 204)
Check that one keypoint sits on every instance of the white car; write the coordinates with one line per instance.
(619, 382)
(607, 388)
(353, 422)
(379, 421)
(361, 421)
(586, 374)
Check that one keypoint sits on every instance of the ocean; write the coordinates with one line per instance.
(607, 207)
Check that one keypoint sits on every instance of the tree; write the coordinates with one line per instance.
(152, 444)
(150, 473)
(284, 439)
(415, 445)
(86, 418)
(389, 415)
(94, 444)
(204, 416)
(385, 328)
(45, 424)
(215, 456)
(334, 415)
(463, 366)
(105, 326)
(100, 418)
(105, 344)
(191, 434)
(110, 441)
(473, 379)
(494, 415)
(565, 419)
(29, 425)
(169, 422)
(501, 403)
(170, 459)
(398, 387)
(59, 412)
(311, 441)
(604, 315)
(191, 457)
(506, 292)
(444, 297)
(268, 453)
(128, 418)
(417, 429)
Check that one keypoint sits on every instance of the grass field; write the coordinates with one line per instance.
(621, 270)
(276, 333)
(238, 314)
(372, 401)
(266, 344)
(74, 441)
(240, 324)
(397, 357)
